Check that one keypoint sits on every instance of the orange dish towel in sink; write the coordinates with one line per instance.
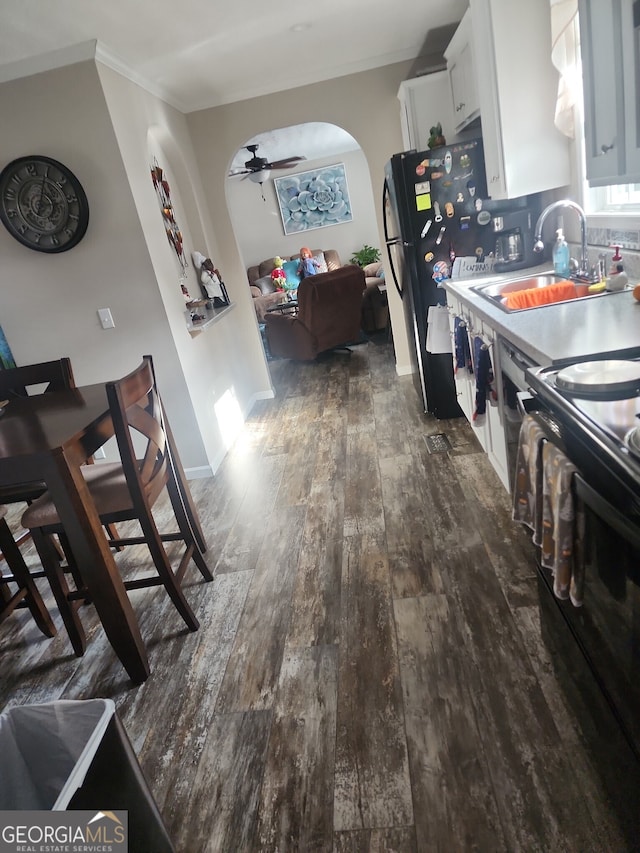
(558, 292)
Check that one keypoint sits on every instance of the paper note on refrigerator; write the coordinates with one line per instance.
(438, 336)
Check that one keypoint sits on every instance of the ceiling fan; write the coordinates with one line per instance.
(258, 168)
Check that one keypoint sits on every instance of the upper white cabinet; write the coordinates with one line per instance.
(610, 59)
(462, 78)
(517, 86)
(425, 101)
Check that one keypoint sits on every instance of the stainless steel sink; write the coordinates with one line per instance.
(497, 290)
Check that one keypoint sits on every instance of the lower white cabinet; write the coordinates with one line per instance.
(488, 428)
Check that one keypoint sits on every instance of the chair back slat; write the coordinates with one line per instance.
(55, 375)
(135, 406)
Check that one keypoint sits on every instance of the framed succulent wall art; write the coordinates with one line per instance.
(314, 199)
(174, 235)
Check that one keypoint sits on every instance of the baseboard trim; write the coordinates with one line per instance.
(404, 370)
(199, 473)
(260, 395)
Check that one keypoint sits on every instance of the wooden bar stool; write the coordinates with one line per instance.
(26, 593)
(126, 491)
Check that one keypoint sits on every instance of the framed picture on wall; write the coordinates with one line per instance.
(313, 199)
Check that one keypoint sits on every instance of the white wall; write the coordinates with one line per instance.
(48, 303)
(258, 224)
(223, 366)
(105, 128)
(365, 104)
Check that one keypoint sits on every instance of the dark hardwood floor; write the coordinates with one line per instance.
(370, 673)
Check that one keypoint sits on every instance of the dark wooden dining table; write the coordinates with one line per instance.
(48, 437)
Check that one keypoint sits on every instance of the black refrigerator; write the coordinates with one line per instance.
(435, 208)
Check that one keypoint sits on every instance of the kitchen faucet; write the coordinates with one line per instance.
(583, 269)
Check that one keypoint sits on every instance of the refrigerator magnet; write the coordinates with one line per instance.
(440, 271)
(425, 230)
(484, 217)
(429, 257)
(465, 222)
(423, 202)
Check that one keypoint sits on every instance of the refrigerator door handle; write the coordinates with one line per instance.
(390, 241)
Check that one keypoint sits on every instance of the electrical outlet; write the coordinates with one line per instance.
(100, 454)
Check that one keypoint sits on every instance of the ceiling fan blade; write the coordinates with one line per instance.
(287, 163)
(239, 172)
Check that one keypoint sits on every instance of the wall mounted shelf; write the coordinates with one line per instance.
(211, 316)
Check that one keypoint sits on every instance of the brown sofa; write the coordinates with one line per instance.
(263, 290)
(329, 315)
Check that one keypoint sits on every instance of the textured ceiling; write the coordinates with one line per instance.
(200, 53)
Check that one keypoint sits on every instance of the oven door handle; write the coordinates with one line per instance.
(608, 513)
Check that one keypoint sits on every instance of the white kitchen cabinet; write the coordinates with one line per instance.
(425, 101)
(610, 56)
(517, 86)
(464, 381)
(487, 428)
(462, 79)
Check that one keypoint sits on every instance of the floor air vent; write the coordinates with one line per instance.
(438, 443)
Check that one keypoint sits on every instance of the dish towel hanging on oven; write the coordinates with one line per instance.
(527, 489)
(544, 501)
(461, 342)
(484, 376)
(562, 525)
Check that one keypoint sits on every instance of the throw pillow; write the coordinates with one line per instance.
(380, 273)
(264, 284)
(322, 263)
(291, 271)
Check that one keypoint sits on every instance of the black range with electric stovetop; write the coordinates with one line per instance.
(591, 410)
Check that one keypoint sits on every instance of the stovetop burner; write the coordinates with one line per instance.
(606, 393)
(600, 430)
(610, 379)
(632, 440)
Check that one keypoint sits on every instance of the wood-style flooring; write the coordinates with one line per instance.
(370, 673)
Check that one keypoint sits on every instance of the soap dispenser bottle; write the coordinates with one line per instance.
(561, 255)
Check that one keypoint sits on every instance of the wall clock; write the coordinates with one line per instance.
(43, 204)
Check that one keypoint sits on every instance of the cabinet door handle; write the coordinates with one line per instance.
(604, 149)
(459, 107)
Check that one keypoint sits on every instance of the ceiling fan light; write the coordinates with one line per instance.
(259, 177)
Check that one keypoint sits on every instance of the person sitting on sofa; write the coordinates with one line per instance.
(308, 264)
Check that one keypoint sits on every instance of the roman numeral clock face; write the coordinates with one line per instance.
(43, 204)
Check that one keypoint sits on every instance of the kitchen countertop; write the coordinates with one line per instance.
(606, 325)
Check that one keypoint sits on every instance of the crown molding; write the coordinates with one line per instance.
(48, 61)
(93, 49)
(82, 52)
(109, 59)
